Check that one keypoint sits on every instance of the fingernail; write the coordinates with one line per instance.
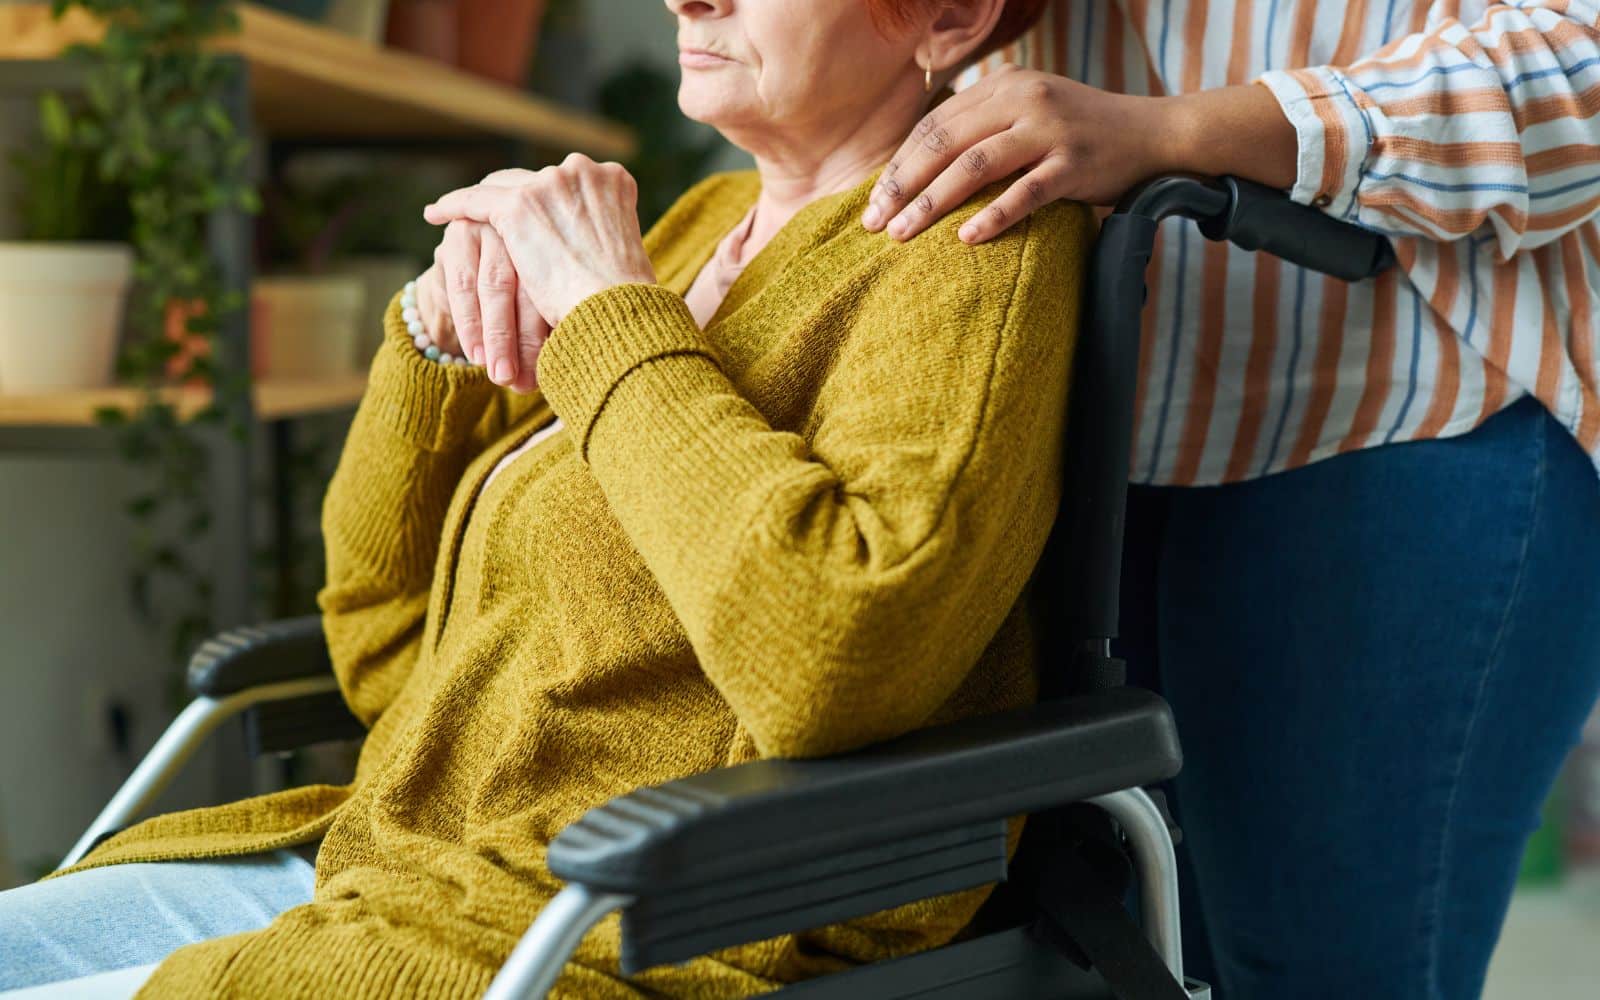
(872, 217)
(502, 371)
(898, 227)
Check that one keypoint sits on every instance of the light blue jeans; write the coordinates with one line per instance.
(122, 916)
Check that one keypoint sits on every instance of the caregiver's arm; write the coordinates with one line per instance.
(1070, 141)
(1437, 135)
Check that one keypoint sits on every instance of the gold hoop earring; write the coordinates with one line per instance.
(927, 79)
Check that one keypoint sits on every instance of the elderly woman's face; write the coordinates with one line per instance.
(765, 64)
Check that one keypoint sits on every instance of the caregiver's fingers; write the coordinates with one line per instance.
(532, 332)
(1033, 190)
(942, 135)
(497, 304)
(457, 257)
(990, 160)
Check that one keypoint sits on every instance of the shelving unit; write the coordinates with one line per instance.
(308, 82)
(275, 399)
(299, 84)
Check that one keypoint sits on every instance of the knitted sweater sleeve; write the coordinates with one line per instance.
(418, 425)
(838, 585)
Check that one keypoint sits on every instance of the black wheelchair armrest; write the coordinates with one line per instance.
(287, 650)
(773, 846)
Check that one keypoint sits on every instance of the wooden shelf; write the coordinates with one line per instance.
(308, 81)
(275, 399)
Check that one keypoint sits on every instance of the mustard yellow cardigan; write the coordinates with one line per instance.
(800, 531)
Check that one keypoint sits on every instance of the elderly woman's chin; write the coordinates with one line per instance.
(718, 103)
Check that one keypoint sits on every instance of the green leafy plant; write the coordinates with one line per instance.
(62, 196)
(157, 123)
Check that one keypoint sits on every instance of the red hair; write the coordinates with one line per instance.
(1016, 17)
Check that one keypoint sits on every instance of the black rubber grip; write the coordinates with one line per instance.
(240, 658)
(1261, 218)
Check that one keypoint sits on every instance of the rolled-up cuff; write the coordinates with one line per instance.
(606, 337)
(1333, 134)
(433, 406)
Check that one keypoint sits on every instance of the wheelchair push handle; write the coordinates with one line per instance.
(1255, 217)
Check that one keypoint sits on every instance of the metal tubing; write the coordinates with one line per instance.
(535, 964)
(174, 749)
(1157, 863)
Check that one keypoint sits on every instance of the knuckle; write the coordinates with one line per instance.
(1036, 192)
(1037, 91)
(928, 123)
(937, 140)
(975, 160)
(997, 212)
(924, 203)
(892, 188)
(462, 280)
(496, 276)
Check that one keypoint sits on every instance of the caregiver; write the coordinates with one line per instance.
(1364, 565)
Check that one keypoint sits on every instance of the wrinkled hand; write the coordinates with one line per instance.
(1074, 141)
(461, 300)
(568, 232)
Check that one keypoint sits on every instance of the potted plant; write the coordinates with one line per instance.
(156, 118)
(64, 284)
(335, 248)
(497, 38)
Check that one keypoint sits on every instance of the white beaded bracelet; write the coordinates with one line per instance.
(419, 336)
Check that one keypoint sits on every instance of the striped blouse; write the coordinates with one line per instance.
(1467, 133)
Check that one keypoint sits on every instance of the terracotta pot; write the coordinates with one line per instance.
(428, 28)
(498, 37)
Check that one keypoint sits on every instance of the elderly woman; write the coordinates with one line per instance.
(778, 493)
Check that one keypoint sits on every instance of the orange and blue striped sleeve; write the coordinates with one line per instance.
(1492, 127)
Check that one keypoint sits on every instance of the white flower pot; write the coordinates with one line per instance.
(306, 326)
(61, 307)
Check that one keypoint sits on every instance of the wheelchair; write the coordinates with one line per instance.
(778, 846)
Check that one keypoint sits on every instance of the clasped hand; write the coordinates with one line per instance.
(520, 251)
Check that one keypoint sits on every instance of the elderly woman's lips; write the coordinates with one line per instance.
(701, 59)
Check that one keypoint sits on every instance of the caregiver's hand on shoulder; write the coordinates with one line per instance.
(569, 232)
(1071, 141)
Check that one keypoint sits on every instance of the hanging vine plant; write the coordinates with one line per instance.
(155, 119)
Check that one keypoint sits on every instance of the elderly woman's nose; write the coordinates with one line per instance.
(699, 8)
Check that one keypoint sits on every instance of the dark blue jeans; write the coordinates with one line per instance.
(1377, 664)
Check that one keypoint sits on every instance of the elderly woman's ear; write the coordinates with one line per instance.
(955, 36)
